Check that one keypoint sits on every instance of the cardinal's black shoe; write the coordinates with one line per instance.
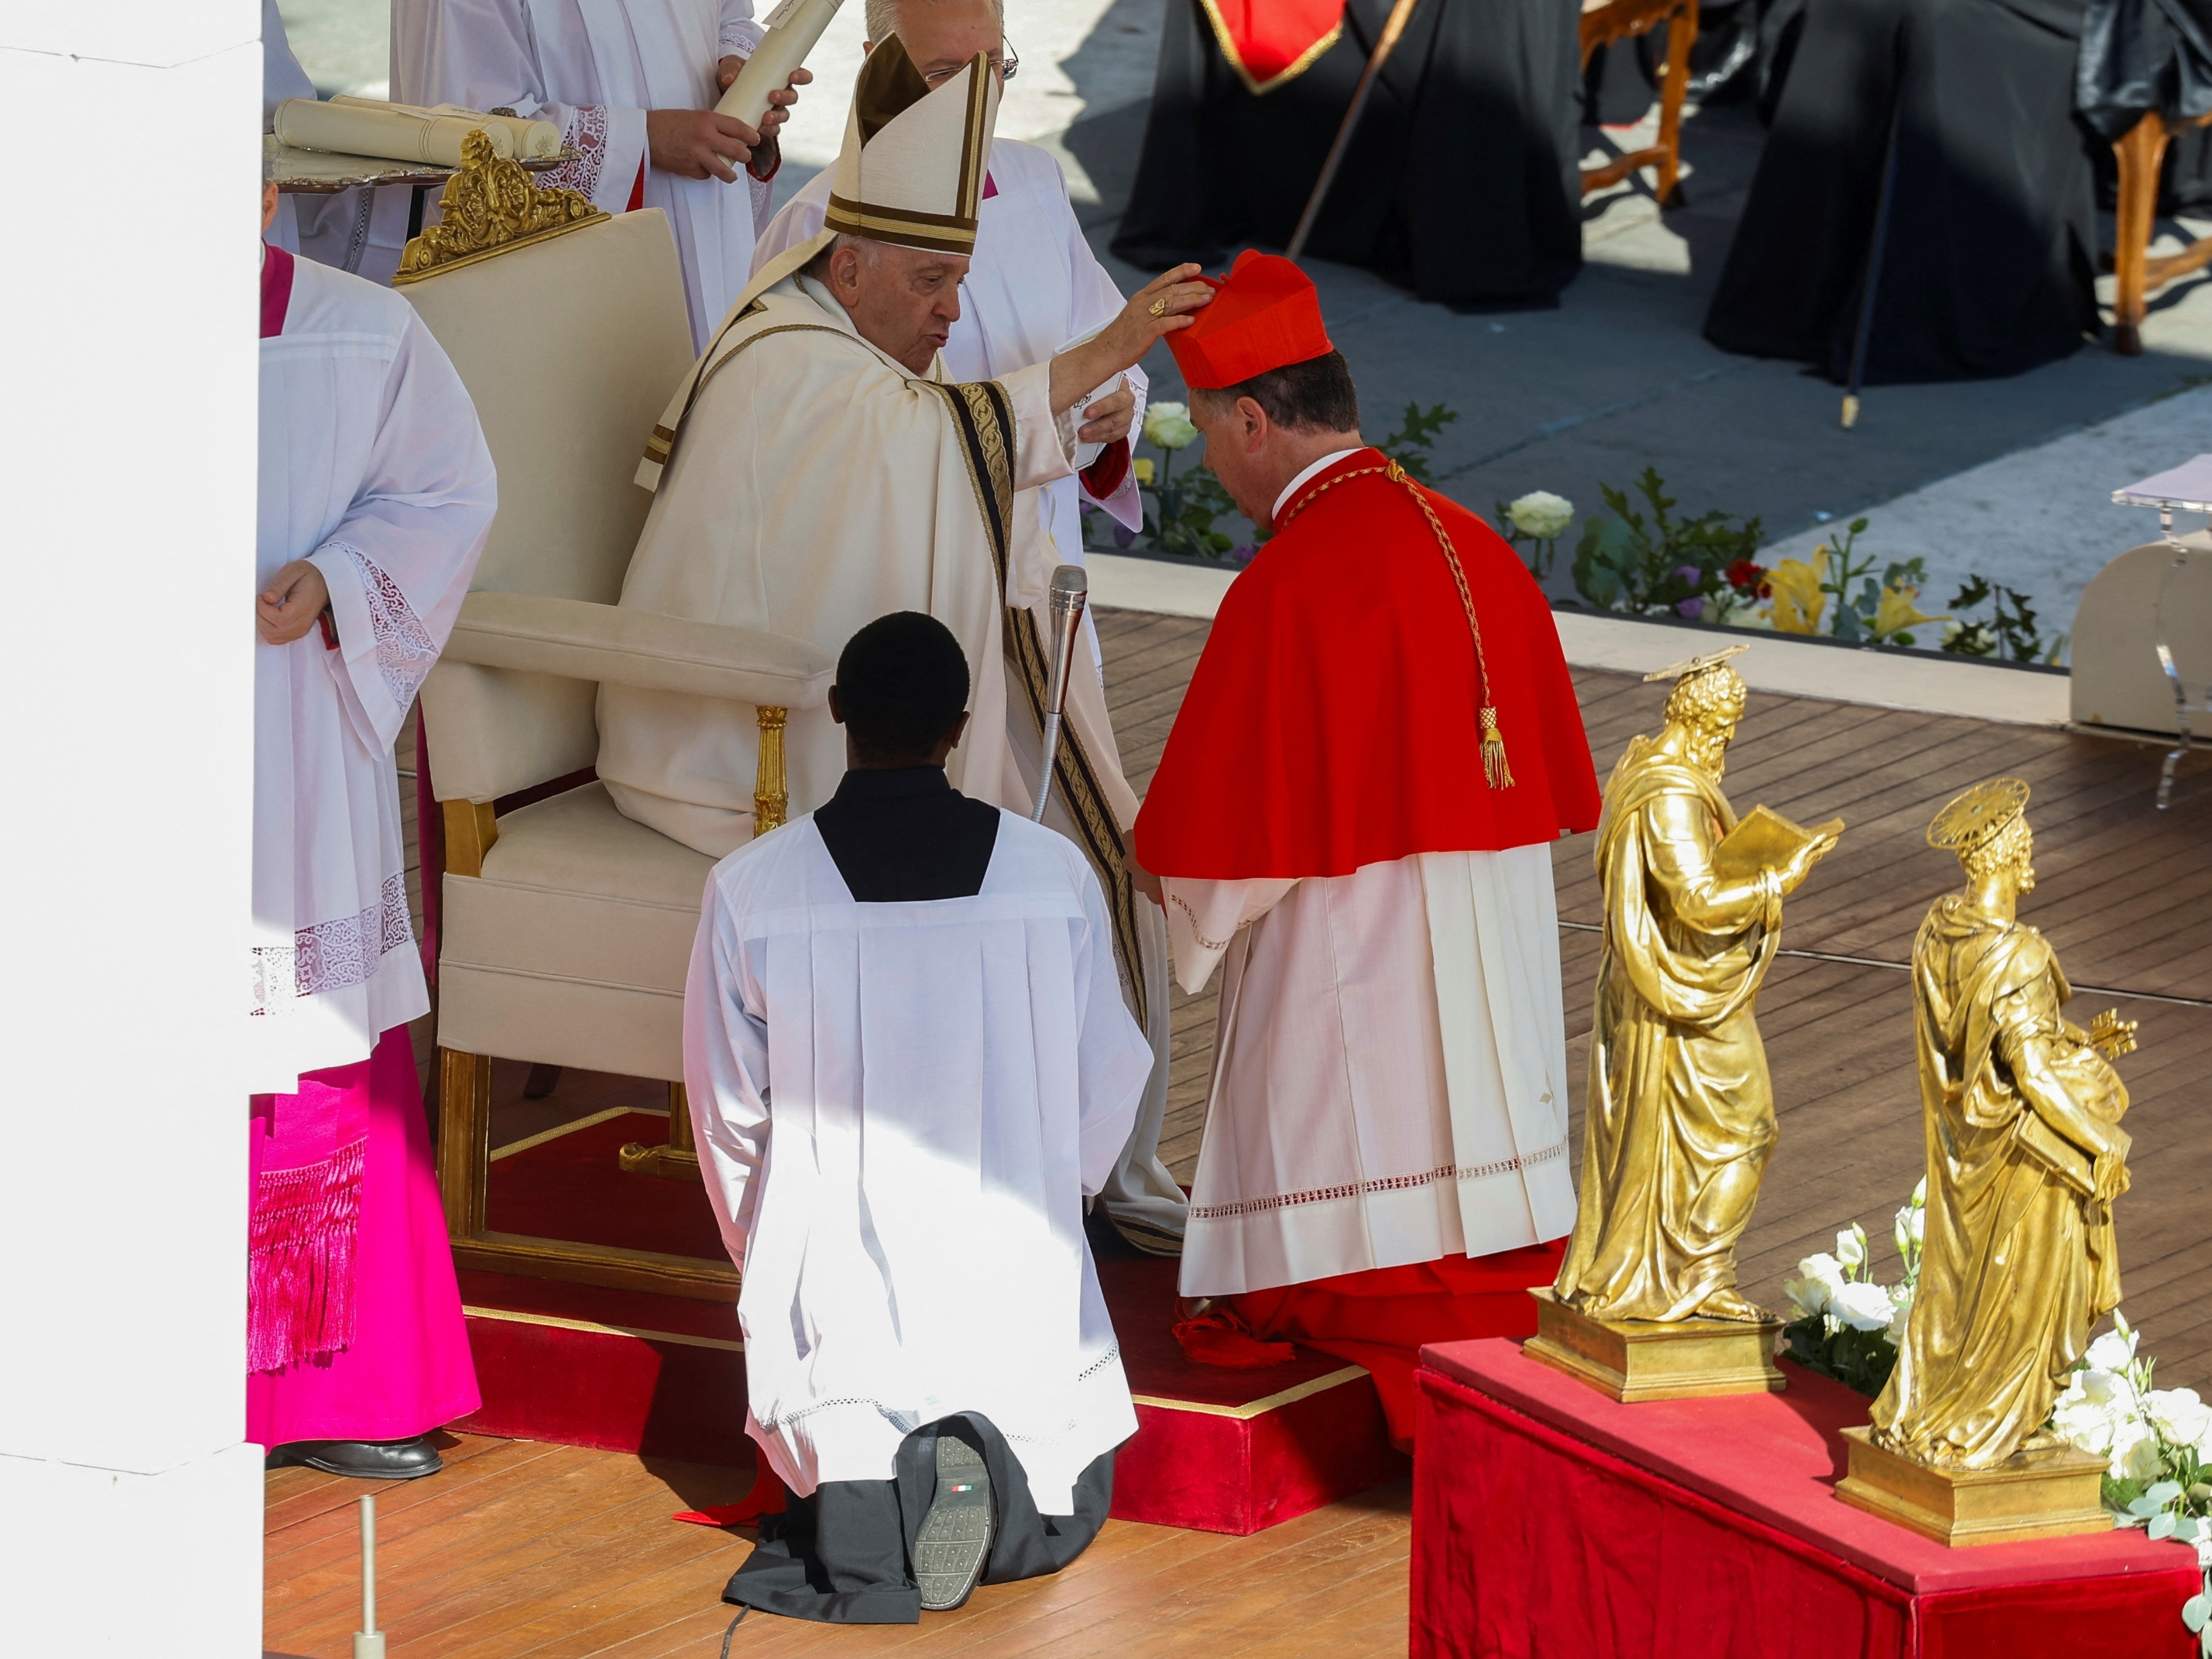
(955, 1541)
(366, 1460)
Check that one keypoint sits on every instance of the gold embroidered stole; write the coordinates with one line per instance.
(983, 419)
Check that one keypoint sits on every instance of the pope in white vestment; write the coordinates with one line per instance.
(376, 494)
(809, 481)
(596, 69)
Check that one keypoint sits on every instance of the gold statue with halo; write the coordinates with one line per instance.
(2025, 1155)
(1680, 1118)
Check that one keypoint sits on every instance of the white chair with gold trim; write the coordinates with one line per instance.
(568, 927)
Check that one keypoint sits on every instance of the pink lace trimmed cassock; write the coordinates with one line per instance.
(350, 1265)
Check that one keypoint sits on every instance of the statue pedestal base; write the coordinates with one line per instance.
(1637, 1359)
(2032, 1494)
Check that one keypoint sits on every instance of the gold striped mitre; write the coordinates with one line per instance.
(911, 170)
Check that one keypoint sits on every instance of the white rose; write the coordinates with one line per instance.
(1862, 1306)
(1851, 1247)
(2112, 1351)
(1541, 514)
(1901, 1301)
(2110, 1390)
(2135, 1452)
(2086, 1426)
(1168, 426)
(2179, 1415)
(1821, 1277)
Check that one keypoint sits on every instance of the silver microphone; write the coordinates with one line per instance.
(1071, 591)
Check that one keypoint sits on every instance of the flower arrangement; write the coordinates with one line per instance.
(1877, 611)
(1847, 1326)
(2158, 1447)
(1661, 565)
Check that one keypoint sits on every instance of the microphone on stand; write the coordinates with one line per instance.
(1071, 591)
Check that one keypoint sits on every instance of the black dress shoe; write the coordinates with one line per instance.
(365, 1460)
(954, 1545)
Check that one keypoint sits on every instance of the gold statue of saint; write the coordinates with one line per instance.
(1680, 1111)
(2025, 1155)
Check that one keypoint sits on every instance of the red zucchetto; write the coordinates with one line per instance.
(1265, 314)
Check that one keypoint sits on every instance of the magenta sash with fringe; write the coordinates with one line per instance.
(306, 1217)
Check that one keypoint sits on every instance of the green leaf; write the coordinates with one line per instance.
(2144, 1507)
(2163, 1524)
(2196, 1611)
(2164, 1493)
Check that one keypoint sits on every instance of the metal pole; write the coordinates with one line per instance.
(1873, 268)
(1071, 591)
(368, 1641)
(1391, 30)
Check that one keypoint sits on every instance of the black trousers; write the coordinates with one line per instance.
(845, 1555)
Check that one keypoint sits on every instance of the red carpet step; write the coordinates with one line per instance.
(621, 1370)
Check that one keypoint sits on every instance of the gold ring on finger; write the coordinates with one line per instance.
(1159, 307)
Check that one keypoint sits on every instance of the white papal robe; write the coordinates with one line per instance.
(897, 1157)
(594, 69)
(818, 485)
(373, 468)
(1389, 1075)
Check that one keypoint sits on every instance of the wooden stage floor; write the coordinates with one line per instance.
(556, 1552)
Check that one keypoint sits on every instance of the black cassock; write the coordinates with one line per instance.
(1460, 182)
(1990, 263)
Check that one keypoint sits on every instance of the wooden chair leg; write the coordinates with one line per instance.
(463, 1140)
(1681, 32)
(2139, 152)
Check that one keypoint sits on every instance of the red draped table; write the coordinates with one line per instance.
(1551, 1522)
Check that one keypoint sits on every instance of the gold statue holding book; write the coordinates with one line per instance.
(1680, 1118)
(2025, 1155)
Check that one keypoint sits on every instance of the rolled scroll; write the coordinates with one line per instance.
(533, 140)
(387, 131)
(793, 29)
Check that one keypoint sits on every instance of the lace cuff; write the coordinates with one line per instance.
(405, 653)
(585, 132)
(332, 956)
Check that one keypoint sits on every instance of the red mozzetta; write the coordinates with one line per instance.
(1332, 720)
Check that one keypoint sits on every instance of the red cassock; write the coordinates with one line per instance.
(1333, 722)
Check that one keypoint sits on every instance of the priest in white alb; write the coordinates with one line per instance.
(1353, 819)
(907, 1059)
(819, 467)
(376, 494)
(632, 85)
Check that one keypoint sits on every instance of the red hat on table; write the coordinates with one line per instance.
(1265, 314)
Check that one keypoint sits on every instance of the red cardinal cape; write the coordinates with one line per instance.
(1268, 42)
(1331, 722)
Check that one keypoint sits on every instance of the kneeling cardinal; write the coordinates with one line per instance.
(1353, 819)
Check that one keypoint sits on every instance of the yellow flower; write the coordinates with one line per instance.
(1798, 601)
(1142, 466)
(1897, 612)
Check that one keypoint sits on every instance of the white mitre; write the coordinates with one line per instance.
(910, 174)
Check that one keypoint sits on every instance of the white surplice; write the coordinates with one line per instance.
(1389, 1075)
(594, 69)
(372, 466)
(898, 1108)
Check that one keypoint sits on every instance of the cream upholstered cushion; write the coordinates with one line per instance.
(571, 947)
(2117, 678)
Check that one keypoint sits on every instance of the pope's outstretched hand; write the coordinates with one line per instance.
(1155, 311)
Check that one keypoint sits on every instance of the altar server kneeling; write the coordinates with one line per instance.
(376, 494)
(1353, 814)
(909, 1061)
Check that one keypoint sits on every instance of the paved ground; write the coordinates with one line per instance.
(1619, 376)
